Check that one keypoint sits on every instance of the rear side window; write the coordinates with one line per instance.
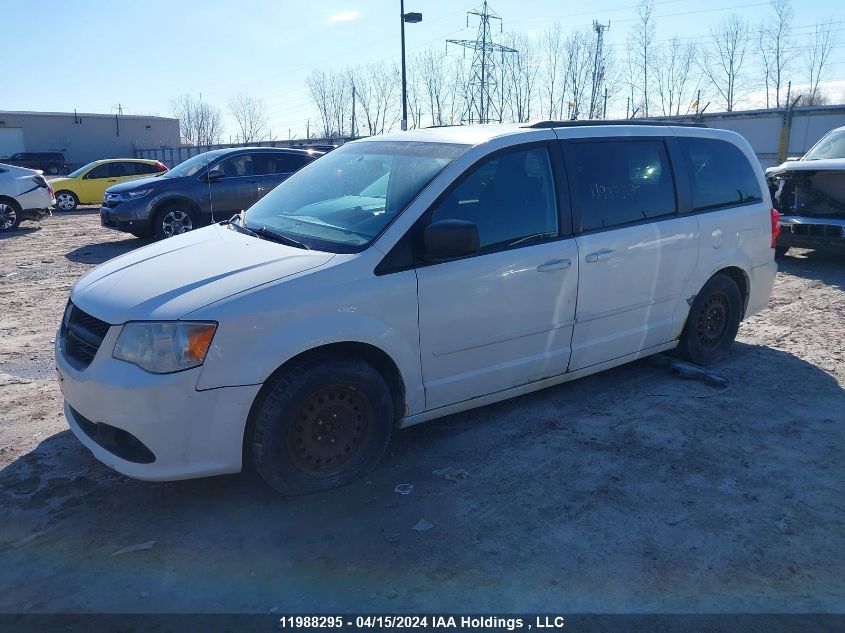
(145, 168)
(720, 174)
(510, 198)
(616, 182)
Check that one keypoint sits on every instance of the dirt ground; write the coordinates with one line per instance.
(630, 491)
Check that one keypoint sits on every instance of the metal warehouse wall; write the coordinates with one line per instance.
(87, 137)
(776, 134)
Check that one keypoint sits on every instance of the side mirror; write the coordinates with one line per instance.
(447, 239)
(214, 174)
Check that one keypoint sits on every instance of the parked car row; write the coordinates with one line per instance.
(143, 197)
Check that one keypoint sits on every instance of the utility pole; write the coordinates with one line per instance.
(353, 109)
(410, 18)
(604, 109)
(598, 67)
(482, 74)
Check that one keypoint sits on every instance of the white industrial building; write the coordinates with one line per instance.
(84, 137)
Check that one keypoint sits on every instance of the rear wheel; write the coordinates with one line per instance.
(174, 220)
(713, 321)
(10, 215)
(66, 200)
(321, 425)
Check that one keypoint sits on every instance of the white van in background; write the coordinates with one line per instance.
(409, 276)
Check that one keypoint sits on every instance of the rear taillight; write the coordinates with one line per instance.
(161, 166)
(775, 227)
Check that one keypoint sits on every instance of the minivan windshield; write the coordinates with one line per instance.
(192, 165)
(831, 146)
(342, 201)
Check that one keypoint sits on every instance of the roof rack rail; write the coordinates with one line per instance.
(586, 122)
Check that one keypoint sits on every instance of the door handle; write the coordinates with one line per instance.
(604, 253)
(554, 264)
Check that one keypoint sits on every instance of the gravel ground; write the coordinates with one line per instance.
(630, 491)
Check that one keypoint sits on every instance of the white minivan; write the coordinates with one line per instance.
(409, 276)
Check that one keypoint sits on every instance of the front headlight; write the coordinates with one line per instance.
(135, 194)
(166, 346)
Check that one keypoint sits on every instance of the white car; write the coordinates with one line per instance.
(24, 195)
(410, 276)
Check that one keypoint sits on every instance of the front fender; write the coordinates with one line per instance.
(262, 329)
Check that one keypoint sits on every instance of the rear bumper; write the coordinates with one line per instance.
(35, 214)
(802, 231)
(761, 282)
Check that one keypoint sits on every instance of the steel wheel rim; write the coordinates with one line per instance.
(8, 216)
(329, 429)
(176, 222)
(64, 201)
(712, 321)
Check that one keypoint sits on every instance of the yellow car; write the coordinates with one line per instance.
(88, 184)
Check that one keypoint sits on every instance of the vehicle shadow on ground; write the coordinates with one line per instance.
(97, 253)
(19, 232)
(630, 490)
(827, 266)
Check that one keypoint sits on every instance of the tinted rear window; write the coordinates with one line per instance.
(720, 174)
(616, 182)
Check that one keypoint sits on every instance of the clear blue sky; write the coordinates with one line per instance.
(95, 54)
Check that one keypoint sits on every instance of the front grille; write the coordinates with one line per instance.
(82, 335)
(813, 230)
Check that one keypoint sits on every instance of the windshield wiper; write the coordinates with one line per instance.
(241, 228)
(280, 237)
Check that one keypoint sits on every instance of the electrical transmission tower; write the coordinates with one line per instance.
(596, 110)
(482, 83)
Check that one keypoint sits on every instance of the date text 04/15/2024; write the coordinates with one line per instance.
(445, 622)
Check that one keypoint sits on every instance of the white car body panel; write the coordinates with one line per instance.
(462, 333)
(15, 182)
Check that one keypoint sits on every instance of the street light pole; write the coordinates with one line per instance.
(411, 18)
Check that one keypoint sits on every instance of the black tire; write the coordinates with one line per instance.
(306, 414)
(713, 321)
(66, 198)
(10, 214)
(780, 251)
(174, 219)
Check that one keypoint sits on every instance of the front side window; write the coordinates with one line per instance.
(278, 163)
(345, 199)
(719, 173)
(616, 182)
(80, 171)
(193, 165)
(510, 198)
(100, 171)
(236, 166)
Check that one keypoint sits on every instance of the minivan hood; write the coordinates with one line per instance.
(168, 279)
(129, 185)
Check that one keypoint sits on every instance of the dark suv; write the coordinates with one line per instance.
(48, 162)
(206, 188)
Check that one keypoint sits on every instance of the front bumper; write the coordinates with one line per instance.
(806, 232)
(131, 215)
(188, 433)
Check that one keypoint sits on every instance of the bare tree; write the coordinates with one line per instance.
(672, 70)
(332, 95)
(456, 93)
(376, 89)
(816, 57)
(250, 117)
(319, 86)
(774, 46)
(578, 49)
(551, 51)
(723, 59)
(200, 123)
(520, 76)
(430, 67)
(641, 44)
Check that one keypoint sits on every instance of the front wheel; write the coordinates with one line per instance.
(174, 220)
(713, 321)
(10, 215)
(66, 200)
(320, 425)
